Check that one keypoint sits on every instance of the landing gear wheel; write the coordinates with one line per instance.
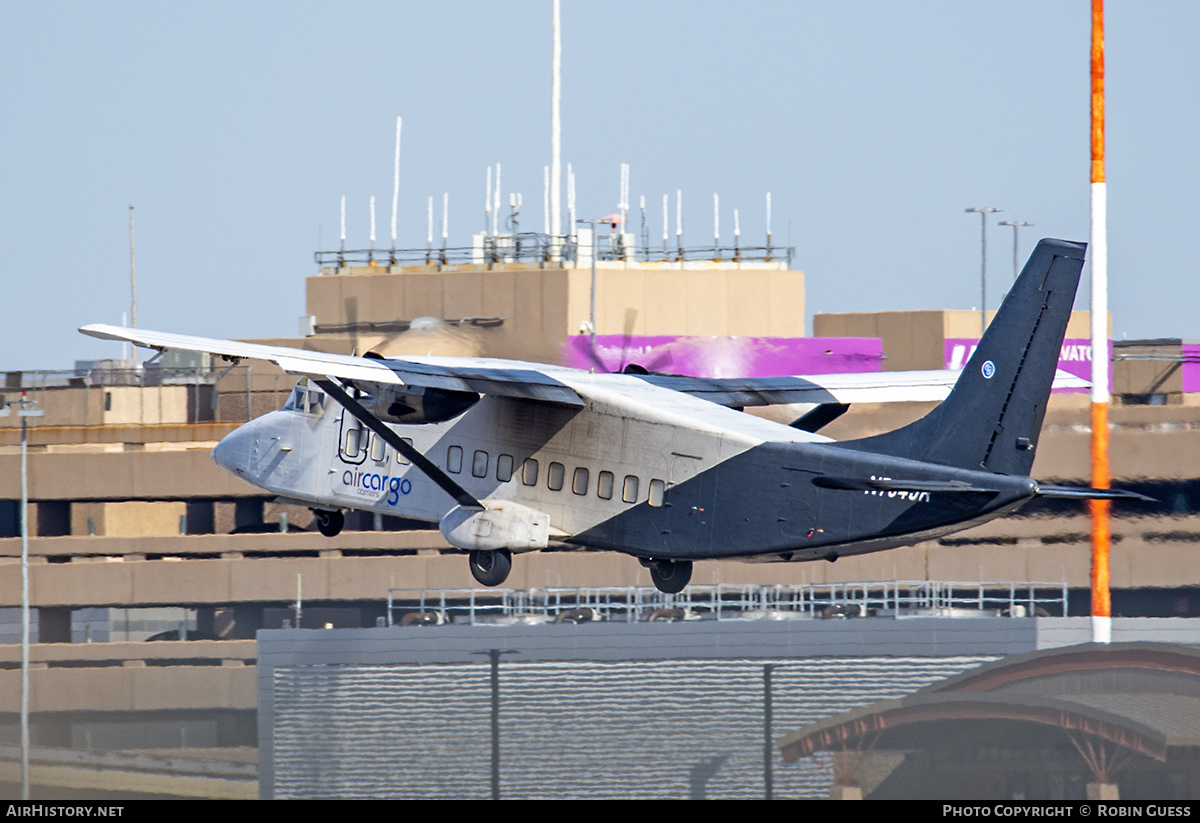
(329, 523)
(670, 576)
(491, 568)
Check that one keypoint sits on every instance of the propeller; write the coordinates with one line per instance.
(650, 364)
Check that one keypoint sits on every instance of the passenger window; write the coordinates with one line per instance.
(555, 476)
(529, 472)
(353, 445)
(657, 492)
(604, 485)
(479, 465)
(378, 449)
(579, 484)
(504, 468)
(454, 459)
(630, 492)
(400, 458)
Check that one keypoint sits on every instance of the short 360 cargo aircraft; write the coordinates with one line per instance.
(509, 457)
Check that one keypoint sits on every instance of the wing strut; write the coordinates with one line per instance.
(464, 497)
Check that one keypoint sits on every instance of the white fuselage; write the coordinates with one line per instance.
(578, 466)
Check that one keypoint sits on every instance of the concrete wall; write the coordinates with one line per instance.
(130, 518)
(116, 677)
(541, 307)
(914, 339)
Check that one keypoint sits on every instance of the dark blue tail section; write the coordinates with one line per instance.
(993, 416)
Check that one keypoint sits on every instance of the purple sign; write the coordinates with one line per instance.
(1074, 358)
(1191, 367)
(726, 356)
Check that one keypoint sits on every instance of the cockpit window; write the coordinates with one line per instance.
(304, 398)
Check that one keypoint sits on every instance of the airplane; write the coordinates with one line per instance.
(509, 457)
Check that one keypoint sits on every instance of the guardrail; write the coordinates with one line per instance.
(632, 604)
(532, 247)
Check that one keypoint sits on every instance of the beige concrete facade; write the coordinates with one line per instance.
(541, 308)
(120, 677)
(915, 339)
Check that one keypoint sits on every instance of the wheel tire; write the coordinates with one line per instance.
(329, 523)
(491, 568)
(671, 576)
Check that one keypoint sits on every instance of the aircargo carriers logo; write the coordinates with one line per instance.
(369, 484)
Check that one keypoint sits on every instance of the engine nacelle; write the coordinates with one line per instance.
(504, 525)
(416, 404)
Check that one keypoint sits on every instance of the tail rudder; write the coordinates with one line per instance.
(993, 416)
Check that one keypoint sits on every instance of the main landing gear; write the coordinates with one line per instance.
(491, 568)
(670, 576)
(329, 523)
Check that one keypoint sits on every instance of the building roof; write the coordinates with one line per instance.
(1143, 697)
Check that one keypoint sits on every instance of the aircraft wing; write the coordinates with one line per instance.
(529, 383)
(532, 382)
(868, 387)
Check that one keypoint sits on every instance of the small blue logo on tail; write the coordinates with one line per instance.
(989, 369)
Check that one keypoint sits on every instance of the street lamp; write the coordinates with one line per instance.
(595, 250)
(983, 212)
(494, 657)
(1016, 227)
(25, 410)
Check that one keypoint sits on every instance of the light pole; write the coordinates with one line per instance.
(25, 410)
(595, 250)
(494, 657)
(983, 212)
(1016, 227)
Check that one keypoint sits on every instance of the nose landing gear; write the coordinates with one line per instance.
(329, 523)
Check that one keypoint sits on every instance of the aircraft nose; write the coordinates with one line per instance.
(233, 452)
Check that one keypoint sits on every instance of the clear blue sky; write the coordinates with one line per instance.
(234, 128)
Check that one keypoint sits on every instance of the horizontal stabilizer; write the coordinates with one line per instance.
(1084, 493)
(887, 484)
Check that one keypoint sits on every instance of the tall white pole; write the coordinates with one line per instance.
(496, 205)
(768, 225)
(25, 604)
(716, 219)
(25, 410)
(132, 274)
(546, 198)
(396, 184)
(556, 126)
(372, 222)
(666, 220)
(487, 202)
(445, 217)
(571, 196)
(343, 222)
(679, 216)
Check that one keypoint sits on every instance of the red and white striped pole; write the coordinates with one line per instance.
(1101, 598)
